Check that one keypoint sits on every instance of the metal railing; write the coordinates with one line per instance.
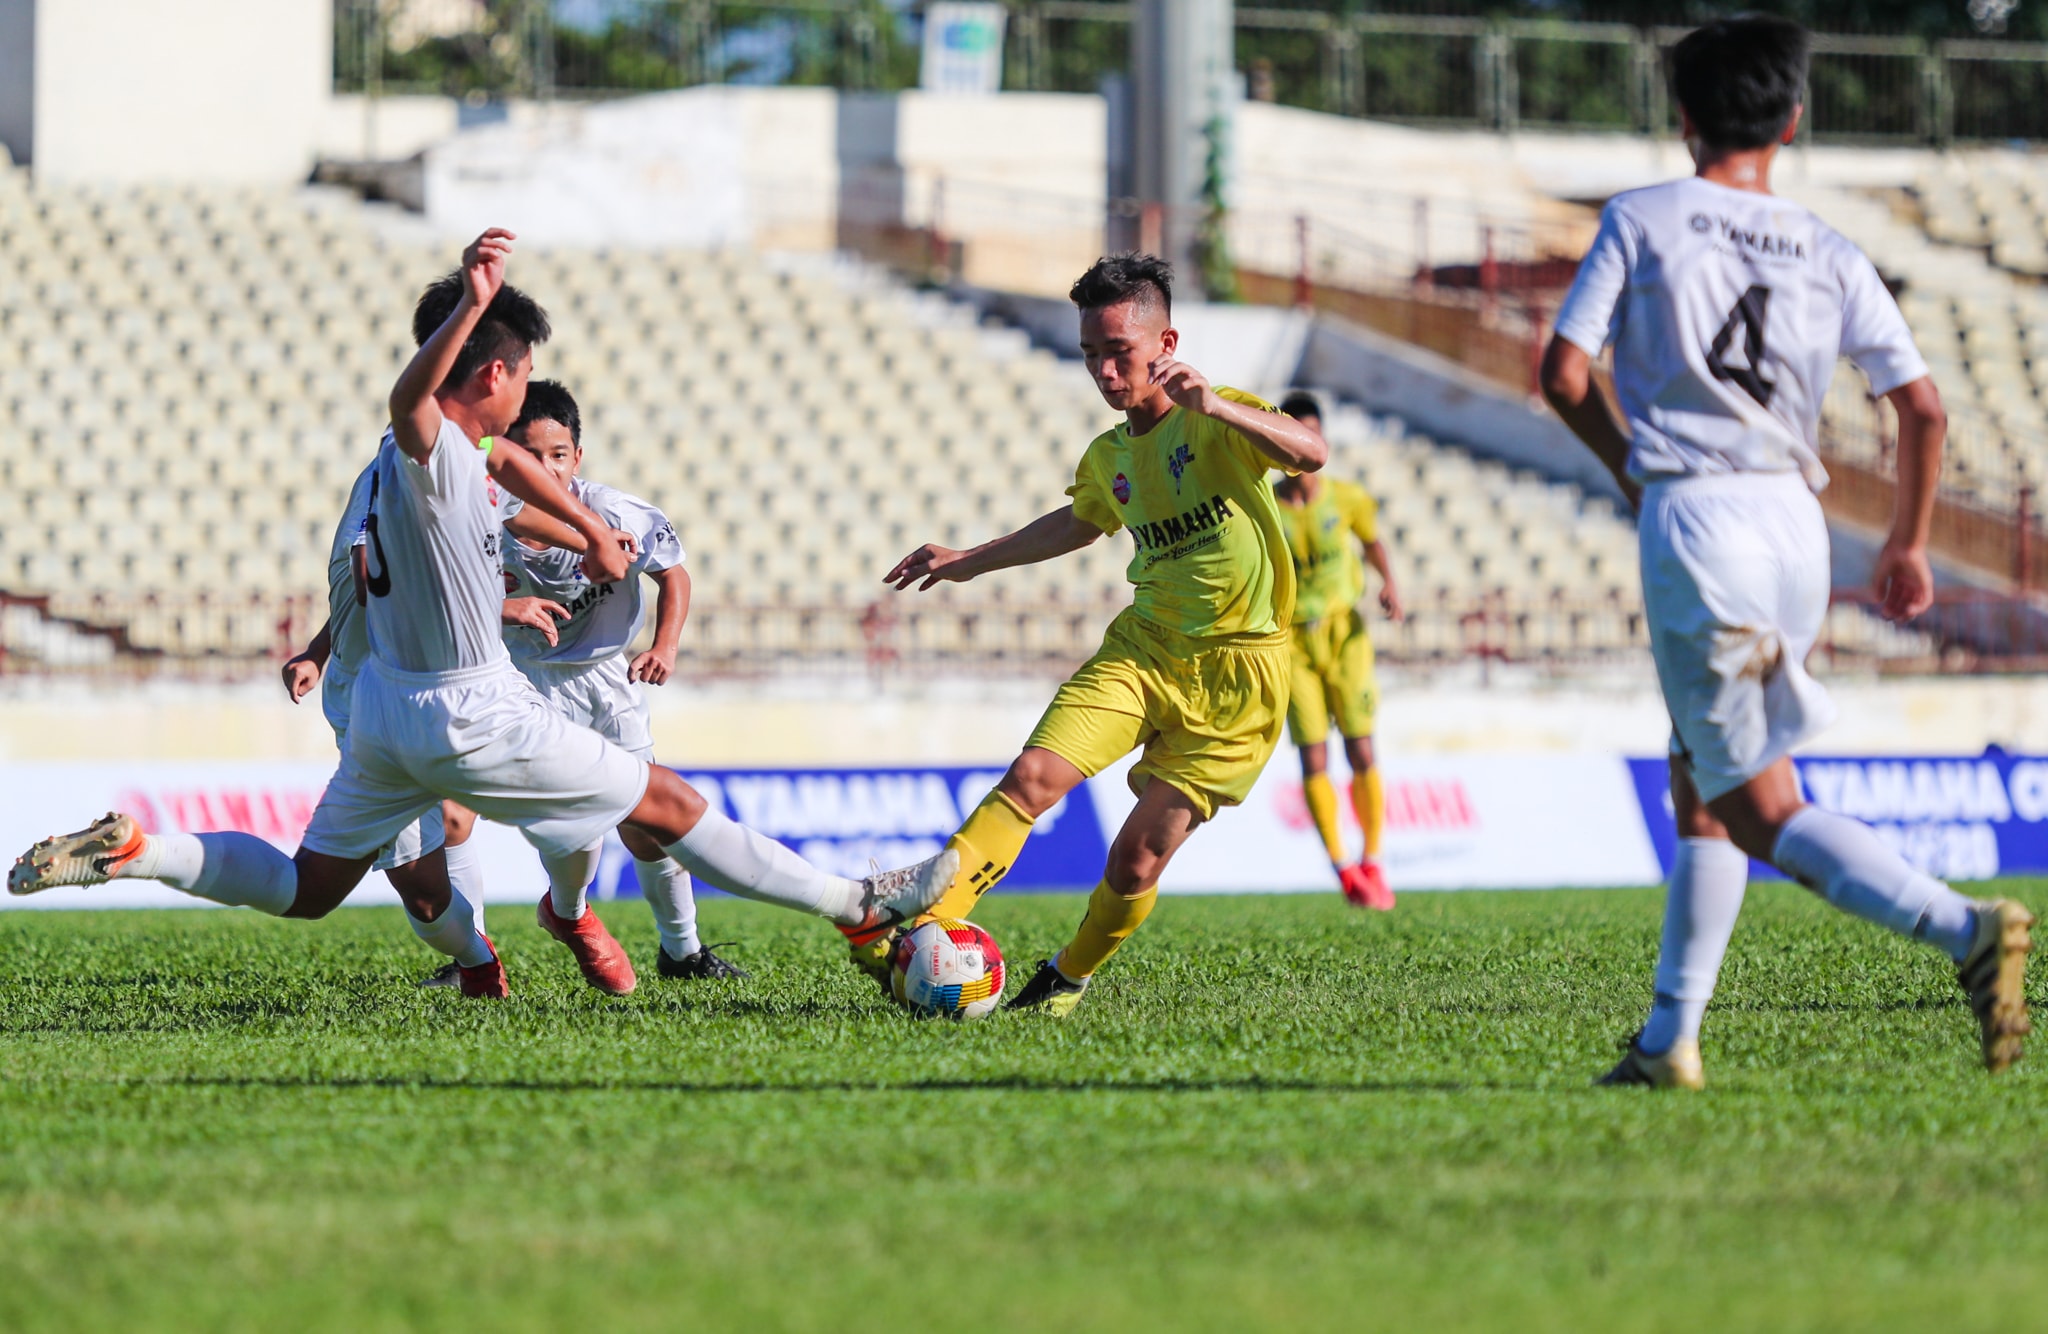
(1500, 74)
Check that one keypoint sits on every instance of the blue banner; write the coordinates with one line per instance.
(841, 820)
(1954, 817)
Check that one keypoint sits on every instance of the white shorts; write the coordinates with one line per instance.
(599, 696)
(482, 737)
(1735, 587)
(415, 840)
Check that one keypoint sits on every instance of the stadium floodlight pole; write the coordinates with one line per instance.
(1182, 80)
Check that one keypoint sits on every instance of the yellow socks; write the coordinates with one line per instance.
(989, 843)
(1321, 796)
(1369, 799)
(1111, 919)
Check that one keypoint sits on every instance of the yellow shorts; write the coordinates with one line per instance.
(1206, 710)
(1331, 675)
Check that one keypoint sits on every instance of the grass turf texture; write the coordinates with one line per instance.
(1268, 1112)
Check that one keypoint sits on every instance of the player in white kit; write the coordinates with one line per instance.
(439, 712)
(580, 664)
(1727, 308)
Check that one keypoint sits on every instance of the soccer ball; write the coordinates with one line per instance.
(947, 969)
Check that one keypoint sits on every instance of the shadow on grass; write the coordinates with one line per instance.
(997, 1083)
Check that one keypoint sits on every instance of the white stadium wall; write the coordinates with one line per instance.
(132, 91)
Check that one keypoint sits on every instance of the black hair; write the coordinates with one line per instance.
(548, 401)
(512, 326)
(1301, 403)
(1115, 278)
(1741, 78)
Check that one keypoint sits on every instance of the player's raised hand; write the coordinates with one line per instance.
(1902, 581)
(1185, 385)
(301, 674)
(483, 264)
(539, 613)
(931, 563)
(654, 667)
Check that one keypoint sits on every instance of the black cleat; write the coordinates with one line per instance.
(447, 975)
(1049, 991)
(702, 964)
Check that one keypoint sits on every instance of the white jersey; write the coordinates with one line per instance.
(1727, 310)
(436, 592)
(346, 631)
(603, 618)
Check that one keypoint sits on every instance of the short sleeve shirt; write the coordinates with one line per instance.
(1323, 540)
(603, 618)
(1208, 556)
(1727, 311)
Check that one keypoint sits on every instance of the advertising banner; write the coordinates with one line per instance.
(1954, 817)
(963, 49)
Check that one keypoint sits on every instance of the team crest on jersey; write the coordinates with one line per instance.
(1121, 489)
(1178, 464)
(1702, 224)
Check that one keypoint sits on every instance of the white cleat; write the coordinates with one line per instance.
(890, 898)
(88, 857)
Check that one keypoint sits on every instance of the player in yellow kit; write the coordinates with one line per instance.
(1194, 672)
(1326, 521)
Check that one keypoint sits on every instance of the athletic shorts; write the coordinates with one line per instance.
(416, 840)
(597, 695)
(482, 737)
(1735, 587)
(1331, 675)
(1206, 711)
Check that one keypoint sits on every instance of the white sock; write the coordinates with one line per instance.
(1708, 877)
(666, 887)
(466, 878)
(739, 861)
(240, 870)
(569, 875)
(455, 933)
(1846, 863)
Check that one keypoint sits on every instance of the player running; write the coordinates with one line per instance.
(1194, 672)
(1325, 521)
(1727, 308)
(439, 711)
(581, 666)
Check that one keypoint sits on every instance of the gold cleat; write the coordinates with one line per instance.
(1993, 975)
(1678, 1068)
(88, 857)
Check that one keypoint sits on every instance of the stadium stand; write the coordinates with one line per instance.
(192, 377)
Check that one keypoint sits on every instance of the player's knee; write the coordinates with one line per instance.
(457, 822)
(669, 809)
(641, 844)
(1037, 780)
(1314, 760)
(1359, 751)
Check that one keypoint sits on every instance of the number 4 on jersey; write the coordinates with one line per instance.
(1748, 317)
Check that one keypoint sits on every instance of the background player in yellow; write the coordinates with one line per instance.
(1194, 672)
(1326, 520)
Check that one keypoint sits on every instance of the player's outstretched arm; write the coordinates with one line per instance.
(1044, 538)
(604, 561)
(671, 609)
(302, 672)
(1569, 388)
(534, 526)
(1902, 578)
(1278, 436)
(415, 416)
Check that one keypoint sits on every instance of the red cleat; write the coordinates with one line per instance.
(1353, 883)
(1378, 894)
(486, 981)
(602, 959)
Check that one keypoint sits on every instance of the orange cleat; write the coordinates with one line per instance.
(602, 959)
(486, 981)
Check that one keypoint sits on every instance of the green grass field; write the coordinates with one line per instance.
(1270, 1112)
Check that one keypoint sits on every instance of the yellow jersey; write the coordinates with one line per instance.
(1323, 538)
(1209, 556)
